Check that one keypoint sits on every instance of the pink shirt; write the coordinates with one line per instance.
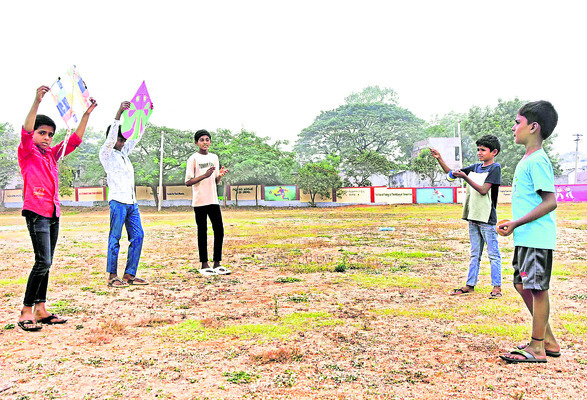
(40, 174)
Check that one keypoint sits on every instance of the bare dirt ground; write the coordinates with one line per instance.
(320, 305)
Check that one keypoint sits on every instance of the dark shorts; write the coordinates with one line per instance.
(532, 267)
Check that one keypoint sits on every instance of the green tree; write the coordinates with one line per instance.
(9, 142)
(426, 167)
(369, 121)
(318, 178)
(359, 167)
(178, 146)
(251, 159)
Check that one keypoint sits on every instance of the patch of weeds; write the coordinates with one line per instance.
(408, 254)
(582, 362)
(281, 355)
(415, 313)
(17, 281)
(298, 298)
(407, 376)
(515, 332)
(582, 296)
(391, 281)
(287, 280)
(8, 326)
(308, 268)
(287, 379)
(65, 307)
(282, 328)
(153, 321)
(343, 264)
(182, 307)
(96, 361)
(240, 377)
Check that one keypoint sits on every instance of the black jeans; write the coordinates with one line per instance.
(44, 233)
(202, 214)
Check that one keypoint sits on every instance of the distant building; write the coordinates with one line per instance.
(449, 148)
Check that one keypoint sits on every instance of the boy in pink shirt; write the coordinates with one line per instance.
(41, 208)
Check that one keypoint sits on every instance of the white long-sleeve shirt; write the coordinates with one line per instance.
(119, 170)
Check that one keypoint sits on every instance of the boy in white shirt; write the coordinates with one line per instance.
(203, 174)
(124, 209)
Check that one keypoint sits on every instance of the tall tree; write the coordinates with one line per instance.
(178, 146)
(319, 178)
(369, 121)
(427, 167)
(358, 168)
(9, 142)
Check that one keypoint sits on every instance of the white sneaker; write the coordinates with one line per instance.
(221, 270)
(208, 271)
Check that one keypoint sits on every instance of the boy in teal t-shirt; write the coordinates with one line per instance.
(534, 228)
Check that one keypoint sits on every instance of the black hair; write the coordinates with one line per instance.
(200, 133)
(44, 120)
(543, 113)
(489, 141)
(119, 131)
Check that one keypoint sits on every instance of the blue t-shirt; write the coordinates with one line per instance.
(534, 173)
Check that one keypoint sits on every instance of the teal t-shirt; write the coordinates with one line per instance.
(533, 173)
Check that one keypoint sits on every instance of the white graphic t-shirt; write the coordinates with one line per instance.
(203, 192)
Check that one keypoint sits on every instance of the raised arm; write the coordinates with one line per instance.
(482, 189)
(81, 128)
(29, 122)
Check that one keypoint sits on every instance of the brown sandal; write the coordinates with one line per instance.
(136, 281)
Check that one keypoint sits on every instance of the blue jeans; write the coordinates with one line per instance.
(481, 233)
(44, 233)
(128, 215)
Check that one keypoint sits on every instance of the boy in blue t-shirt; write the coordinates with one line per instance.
(534, 228)
(479, 209)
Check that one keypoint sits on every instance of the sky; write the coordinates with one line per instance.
(271, 67)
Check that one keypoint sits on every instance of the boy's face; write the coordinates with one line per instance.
(43, 136)
(484, 154)
(204, 143)
(120, 143)
(522, 130)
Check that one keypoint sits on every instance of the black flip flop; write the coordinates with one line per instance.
(51, 320)
(549, 353)
(529, 357)
(24, 327)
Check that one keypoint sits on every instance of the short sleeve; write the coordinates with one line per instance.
(542, 176)
(494, 176)
(190, 169)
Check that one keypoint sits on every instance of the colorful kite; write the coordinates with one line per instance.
(137, 116)
(71, 97)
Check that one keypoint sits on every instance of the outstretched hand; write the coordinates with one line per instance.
(223, 171)
(435, 153)
(457, 173)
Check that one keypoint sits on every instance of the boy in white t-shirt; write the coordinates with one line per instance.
(203, 174)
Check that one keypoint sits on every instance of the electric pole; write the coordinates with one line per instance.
(577, 139)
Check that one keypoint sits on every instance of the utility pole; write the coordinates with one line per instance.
(160, 194)
(577, 139)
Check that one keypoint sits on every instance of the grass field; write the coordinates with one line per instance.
(321, 304)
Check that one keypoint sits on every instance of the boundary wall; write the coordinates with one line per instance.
(292, 196)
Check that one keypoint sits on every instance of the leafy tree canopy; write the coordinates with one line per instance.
(318, 178)
(358, 168)
(369, 121)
